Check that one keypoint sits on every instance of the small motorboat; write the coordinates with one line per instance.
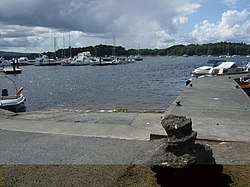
(82, 59)
(203, 70)
(221, 69)
(244, 83)
(206, 69)
(15, 102)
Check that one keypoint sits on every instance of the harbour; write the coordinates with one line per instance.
(125, 93)
(152, 84)
(140, 85)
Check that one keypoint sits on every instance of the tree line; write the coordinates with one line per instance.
(215, 49)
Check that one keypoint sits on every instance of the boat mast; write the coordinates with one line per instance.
(69, 46)
(55, 47)
(113, 53)
(139, 46)
(63, 51)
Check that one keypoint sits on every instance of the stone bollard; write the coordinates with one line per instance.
(181, 137)
(179, 148)
(180, 161)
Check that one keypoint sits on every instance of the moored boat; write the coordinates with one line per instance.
(219, 68)
(103, 61)
(138, 57)
(24, 61)
(15, 102)
(200, 71)
(82, 59)
(67, 62)
(43, 60)
(244, 83)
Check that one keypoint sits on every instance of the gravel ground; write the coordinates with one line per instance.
(232, 156)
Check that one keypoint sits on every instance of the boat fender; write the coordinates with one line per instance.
(19, 91)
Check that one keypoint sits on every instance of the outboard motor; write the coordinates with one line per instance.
(5, 92)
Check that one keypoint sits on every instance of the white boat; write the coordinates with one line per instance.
(82, 59)
(203, 70)
(131, 59)
(218, 69)
(43, 60)
(67, 62)
(225, 68)
(122, 60)
(206, 70)
(24, 61)
(103, 61)
(15, 102)
(225, 56)
(138, 57)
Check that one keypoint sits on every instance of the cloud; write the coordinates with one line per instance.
(90, 15)
(98, 20)
(233, 26)
(230, 2)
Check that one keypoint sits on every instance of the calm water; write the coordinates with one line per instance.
(151, 84)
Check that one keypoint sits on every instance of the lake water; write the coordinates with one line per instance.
(150, 84)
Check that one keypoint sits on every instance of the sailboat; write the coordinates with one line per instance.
(106, 60)
(44, 60)
(138, 57)
(248, 56)
(66, 61)
(228, 54)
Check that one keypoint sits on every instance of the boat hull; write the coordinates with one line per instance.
(15, 108)
(12, 71)
(14, 104)
(245, 87)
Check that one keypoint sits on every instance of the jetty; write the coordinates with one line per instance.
(14, 69)
(218, 107)
(10, 70)
(112, 148)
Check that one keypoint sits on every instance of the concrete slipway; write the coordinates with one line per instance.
(218, 109)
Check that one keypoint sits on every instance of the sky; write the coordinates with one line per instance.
(33, 25)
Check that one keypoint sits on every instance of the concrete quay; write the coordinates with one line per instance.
(71, 137)
(127, 126)
(218, 107)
